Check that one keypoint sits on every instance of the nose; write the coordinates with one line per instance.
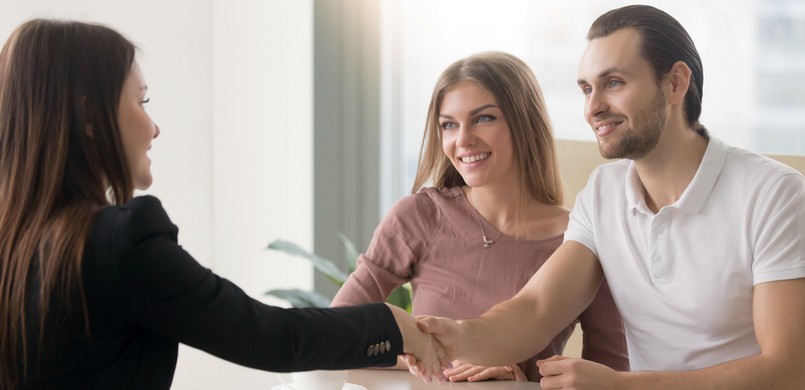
(595, 104)
(156, 133)
(465, 137)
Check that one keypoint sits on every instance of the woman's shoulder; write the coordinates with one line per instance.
(428, 201)
(136, 219)
(117, 231)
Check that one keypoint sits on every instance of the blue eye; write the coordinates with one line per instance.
(484, 118)
(615, 83)
(586, 90)
(448, 125)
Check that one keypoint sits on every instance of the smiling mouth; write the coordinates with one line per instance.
(474, 158)
(607, 127)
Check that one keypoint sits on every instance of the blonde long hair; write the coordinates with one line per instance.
(518, 94)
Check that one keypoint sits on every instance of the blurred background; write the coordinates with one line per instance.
(302, 119)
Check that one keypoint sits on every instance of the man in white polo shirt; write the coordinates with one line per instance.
(702, 244)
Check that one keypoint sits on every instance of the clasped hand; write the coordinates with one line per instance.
(430, 350)
(445, 338)
(424, 355)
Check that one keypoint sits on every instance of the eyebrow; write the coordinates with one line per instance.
(605, 73)
(472, 112)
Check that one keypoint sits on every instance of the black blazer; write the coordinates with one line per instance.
(145, 294)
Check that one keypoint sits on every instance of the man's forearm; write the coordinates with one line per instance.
(494, 339)
(519, 328)
(757, 372)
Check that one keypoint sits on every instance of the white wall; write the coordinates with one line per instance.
(231, 89)
(262, 164)
(175, 57)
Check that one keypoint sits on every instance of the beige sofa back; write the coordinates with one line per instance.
(577, 159)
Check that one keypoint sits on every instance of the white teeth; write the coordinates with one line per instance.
(609, 126)
(472, 159)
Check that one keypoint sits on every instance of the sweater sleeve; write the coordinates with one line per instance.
(173, 296)
(398, 243)
(604, 340)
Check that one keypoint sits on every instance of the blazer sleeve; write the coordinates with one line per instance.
(172, 295)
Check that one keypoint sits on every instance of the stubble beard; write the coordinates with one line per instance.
(640, 139)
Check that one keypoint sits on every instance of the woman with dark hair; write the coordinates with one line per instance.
(95, 292)
(485, 213)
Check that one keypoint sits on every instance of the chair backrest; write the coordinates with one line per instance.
(577, 159)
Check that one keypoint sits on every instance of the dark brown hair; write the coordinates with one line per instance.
(664, 42)
(61, 158)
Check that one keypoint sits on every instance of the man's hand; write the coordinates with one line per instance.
(424, 356)
(559, 372)
(446, 331)
(469, 372)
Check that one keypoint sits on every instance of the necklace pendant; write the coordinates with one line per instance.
(487, 243)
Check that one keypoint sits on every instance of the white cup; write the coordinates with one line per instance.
(317, 380)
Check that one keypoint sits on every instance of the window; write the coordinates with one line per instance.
(753, 53)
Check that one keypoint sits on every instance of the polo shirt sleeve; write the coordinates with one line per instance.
(779, 231)
(580, 228)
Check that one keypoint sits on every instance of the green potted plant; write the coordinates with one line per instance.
(401, 296)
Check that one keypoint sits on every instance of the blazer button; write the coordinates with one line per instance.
(377, 349)
(388, 346)
(370, 350)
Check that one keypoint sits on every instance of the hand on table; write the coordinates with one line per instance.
(559, 372)
(424, 355)
(469, 372)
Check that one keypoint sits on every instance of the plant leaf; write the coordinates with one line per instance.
(350, 252)
(325, 266)
(301, 299)
(401, 297)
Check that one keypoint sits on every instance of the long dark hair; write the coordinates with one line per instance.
(61, 159)
(664, 42)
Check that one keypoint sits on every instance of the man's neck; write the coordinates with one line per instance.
(668, 169)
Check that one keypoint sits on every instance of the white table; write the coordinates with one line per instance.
(374, 379)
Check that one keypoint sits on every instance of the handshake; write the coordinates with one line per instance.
(431, 350)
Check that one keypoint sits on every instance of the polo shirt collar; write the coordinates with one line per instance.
(634, 191)
(699, 189)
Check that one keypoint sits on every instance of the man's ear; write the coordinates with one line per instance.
(679, 82)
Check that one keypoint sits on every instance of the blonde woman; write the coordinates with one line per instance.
(485, 213)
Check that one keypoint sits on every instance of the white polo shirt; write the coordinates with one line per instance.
(683, 278)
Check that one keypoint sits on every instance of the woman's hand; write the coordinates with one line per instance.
(468, 372)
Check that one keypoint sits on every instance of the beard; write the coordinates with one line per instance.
(644, 134)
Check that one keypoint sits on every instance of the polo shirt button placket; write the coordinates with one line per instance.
(659, 246)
